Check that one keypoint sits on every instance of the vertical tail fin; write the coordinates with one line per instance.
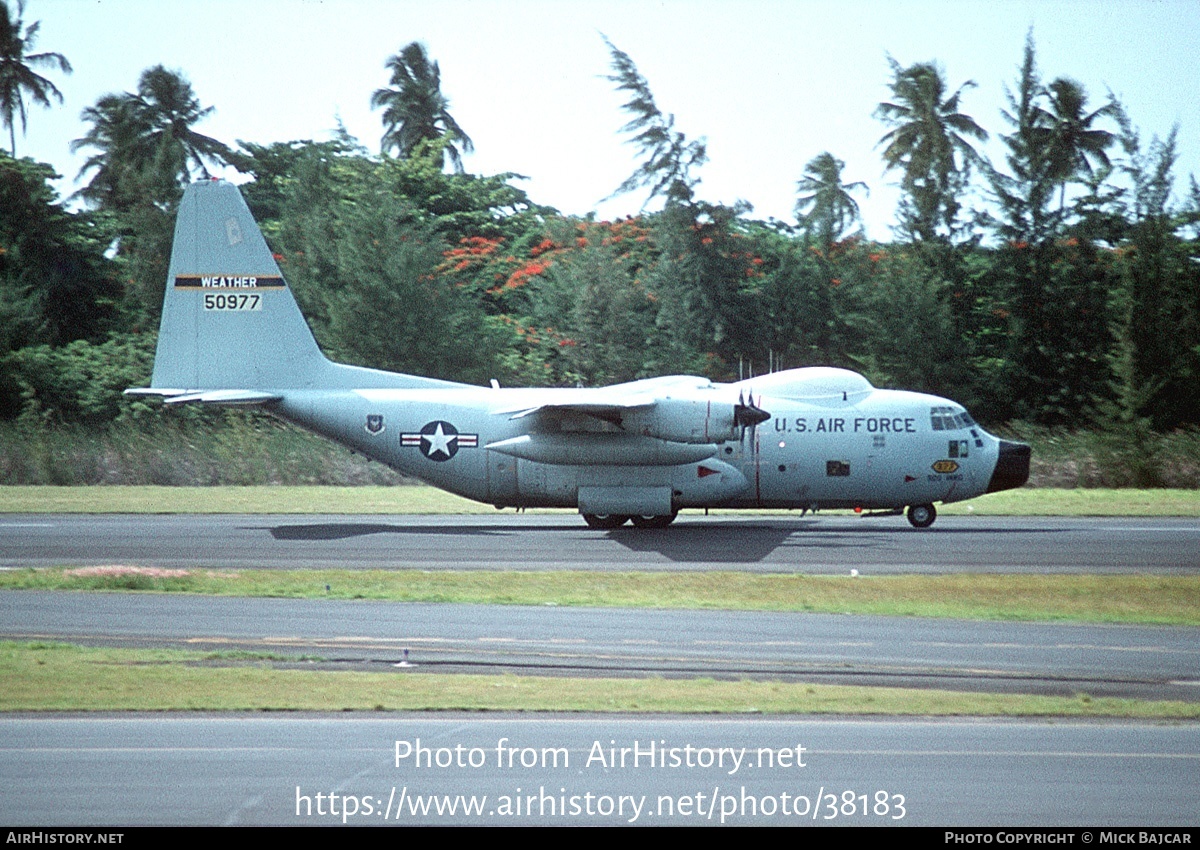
(231, 332)
(229, 320)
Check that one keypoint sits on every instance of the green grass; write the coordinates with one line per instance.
(1162, 600)
(63, 677)
(419, 499)
(1079, 502)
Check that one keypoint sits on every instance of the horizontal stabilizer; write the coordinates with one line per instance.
(154, 391)
(243, 398)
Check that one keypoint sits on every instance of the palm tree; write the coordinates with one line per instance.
(669, 157)
(930, 142)
(825, 208)
(17, 77)
(114, 136)
(145, 141)
(415, 110)
(1073, 146)
(168, 108)
(1024, 193)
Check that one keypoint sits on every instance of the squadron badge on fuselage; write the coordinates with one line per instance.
(439, 440)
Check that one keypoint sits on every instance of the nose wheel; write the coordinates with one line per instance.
(922, 516)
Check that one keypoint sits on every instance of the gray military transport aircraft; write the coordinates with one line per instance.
(810, 438)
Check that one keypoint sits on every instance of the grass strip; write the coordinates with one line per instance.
(1080, 503)
(1140, 599)
(63, 677)
(418, 499)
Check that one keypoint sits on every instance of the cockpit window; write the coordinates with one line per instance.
(949, 419)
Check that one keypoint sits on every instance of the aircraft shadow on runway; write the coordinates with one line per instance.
(732, 542)
(347, 530)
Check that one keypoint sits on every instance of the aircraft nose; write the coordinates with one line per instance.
(1012, 466)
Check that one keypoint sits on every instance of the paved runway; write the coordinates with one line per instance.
(233, 770)
(1131, 661)
(821, 545)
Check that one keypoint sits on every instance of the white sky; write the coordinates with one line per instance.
(769, 83)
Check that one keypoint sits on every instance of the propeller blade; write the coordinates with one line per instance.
(749, 415)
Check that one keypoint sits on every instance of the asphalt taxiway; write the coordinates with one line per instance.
(1048, 658)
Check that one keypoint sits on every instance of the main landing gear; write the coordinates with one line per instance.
(605, 521)
(610, 521)
(922, 516)
(654, 521)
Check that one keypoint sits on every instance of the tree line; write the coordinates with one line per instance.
(1071, 297)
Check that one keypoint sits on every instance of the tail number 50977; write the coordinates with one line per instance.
(232, 301)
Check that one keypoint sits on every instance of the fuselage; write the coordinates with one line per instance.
(830, 441)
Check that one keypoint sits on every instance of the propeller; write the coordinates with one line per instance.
(747, 414)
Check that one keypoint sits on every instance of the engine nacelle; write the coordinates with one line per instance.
(684, 420)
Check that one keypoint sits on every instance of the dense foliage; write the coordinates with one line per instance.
(1072, 297)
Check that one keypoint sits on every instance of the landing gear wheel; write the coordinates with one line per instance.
(922, 516)
(654, 521)
(605, 521)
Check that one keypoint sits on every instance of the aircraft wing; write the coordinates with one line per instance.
(609, 402)
(599, 408)
(674, 412)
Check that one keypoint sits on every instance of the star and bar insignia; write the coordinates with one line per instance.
(440, 440)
